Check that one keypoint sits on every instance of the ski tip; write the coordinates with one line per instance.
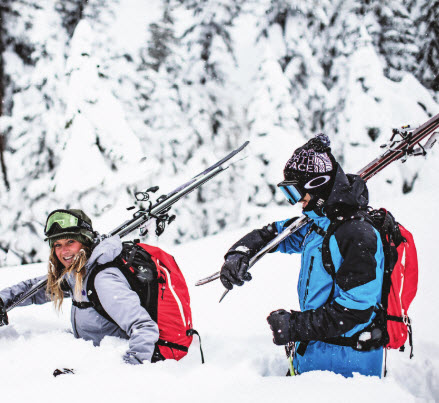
(245, 144)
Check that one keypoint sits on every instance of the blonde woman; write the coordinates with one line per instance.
(70, 236)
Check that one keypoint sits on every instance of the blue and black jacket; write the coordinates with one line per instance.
(357, 253)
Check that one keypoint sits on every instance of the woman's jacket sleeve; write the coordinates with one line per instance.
(11, 294)
(123, 306)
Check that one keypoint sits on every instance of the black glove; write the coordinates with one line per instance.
(280, 322)
(3, 314)
(234, 270)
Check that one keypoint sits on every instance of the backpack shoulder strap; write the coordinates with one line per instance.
(326, 252)
(328, 264)
(92, 295)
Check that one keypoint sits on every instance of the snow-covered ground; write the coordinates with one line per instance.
(242, 363)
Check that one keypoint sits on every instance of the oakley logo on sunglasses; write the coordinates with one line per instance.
(316, 182)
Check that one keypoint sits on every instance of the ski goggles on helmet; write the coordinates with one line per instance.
(291, 191)
(61, 220)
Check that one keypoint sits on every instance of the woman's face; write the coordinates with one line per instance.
(66, 250)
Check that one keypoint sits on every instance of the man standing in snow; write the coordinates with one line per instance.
(333, 312)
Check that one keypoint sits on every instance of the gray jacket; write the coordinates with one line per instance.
(117, 298)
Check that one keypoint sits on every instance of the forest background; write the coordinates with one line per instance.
(101, 99)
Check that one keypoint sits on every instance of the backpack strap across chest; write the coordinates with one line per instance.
(328, 263)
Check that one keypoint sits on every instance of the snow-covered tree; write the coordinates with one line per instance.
(394, 34)
(102, 98)
(71, 11)
(188, 109)
(428, 56)
(32, 62)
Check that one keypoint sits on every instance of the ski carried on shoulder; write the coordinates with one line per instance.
(404, 143)
(157, 212)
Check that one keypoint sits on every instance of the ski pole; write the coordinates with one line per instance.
(290, 349)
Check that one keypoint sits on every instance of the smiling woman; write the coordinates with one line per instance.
(72, 260)
(73, 256)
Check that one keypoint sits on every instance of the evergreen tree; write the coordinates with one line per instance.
(393, 33)
(71, 11)
(181, 82)
(428, 56)
(188, 109)
(31, 112)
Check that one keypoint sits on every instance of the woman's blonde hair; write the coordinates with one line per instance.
(57, 273)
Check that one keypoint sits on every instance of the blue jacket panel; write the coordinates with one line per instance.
(355, 261)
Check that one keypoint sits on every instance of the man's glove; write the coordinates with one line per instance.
(234, 270)
(3, 314)
(280, 322)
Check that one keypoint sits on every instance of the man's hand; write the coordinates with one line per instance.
(280, 322)
(234, 270)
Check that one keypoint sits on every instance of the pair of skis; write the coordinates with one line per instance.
(157, 212)
(404, 143)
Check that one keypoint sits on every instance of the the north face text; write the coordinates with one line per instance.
(310, 161)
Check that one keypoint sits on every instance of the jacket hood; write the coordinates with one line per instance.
(348, 194)
(105, 252)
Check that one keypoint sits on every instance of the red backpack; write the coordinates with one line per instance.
(174, 317)
(403, 287)
(155, 276)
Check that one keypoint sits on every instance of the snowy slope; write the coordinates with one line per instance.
(242, 364)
